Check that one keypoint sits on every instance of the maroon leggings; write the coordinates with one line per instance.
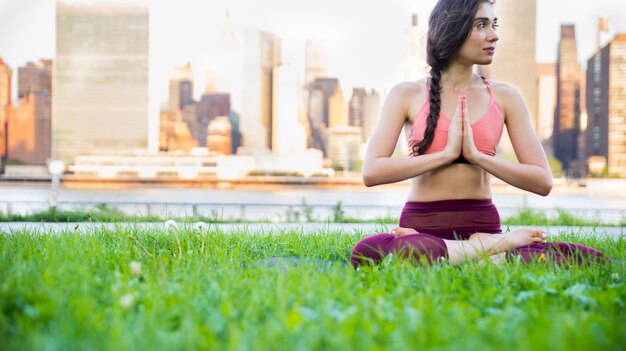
(457, 220)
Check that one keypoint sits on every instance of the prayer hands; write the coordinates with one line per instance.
(460, 137)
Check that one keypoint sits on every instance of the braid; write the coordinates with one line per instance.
(433, 114)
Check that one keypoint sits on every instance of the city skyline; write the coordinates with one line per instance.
(293, 23)
(229, 35)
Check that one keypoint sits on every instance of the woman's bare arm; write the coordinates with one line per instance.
(378, 166)
(532, 173)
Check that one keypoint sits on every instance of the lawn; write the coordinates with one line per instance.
(184, 289)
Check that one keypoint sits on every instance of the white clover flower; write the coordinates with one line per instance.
(127, 301)
(200, 226)
(275, 219)
(170, 224)
(615, 276)
(135, 268)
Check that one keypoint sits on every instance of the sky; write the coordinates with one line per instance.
(364, 38)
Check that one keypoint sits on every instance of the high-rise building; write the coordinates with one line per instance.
(209, 107)
(29, 125)
(371, 114)
(288, 135)
(337, 110)
(29, 129)
(415, 66)
(344, 146)
(567, 112)
(100, 79)
(5, 105)
(262, 56)
(34, 76)
(514, 61)
(320, 92)
(357, 107)
(181, 88)
(546, 81)
(605, 134)
(315, 61)
(219, 135)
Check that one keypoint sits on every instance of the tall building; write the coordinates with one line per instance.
(546, 81)
(34, 76)
(30, 129)
(514, 61)
(209, 107)
(29, 125)
(344, 146)
(219, 135)
(100, 79)
(371, 114)
(567, 112)
(337, 110)
(262, 56)
(357, 107)
(288, 135)
(181, 89)
(320, 92)
(605, 134)
(5, 105)
(315, 61)
(415, 66)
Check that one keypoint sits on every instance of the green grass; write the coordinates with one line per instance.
(205, 291)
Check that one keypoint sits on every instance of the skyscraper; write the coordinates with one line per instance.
(415, 66)
(34, 76)
(357, 107)
(29, 125)
(209, 107)
(320, 92)
(5, 105)
(371, 114)
(100, 100)
(262, 56)
(337, 110)
(315, 61)
(219, 135)
(287, 133)
(181, 88)
(29, 129)
(546, 80)
(605, 134)
(567, 112)
(514, 61)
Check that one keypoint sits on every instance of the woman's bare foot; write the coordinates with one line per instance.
(399, 231)
(516, 238)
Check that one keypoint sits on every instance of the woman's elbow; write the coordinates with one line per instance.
(369, 177)
(546, 186)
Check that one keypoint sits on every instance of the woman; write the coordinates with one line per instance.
(449, 213)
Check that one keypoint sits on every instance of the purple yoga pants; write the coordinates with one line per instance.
(457, 220)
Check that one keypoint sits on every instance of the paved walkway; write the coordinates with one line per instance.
(267, 228)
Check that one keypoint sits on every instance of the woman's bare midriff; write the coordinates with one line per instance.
(451, 182)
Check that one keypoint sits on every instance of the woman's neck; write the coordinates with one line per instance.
(457, 77)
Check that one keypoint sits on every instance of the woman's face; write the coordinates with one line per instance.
(480, 46)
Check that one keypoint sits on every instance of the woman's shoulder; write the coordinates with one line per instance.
(408, 93)
(411, 88)
(508, 98)
(504, 91)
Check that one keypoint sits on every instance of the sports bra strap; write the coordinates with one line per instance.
(488, 85)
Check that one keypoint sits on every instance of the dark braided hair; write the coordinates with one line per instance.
(449, 25)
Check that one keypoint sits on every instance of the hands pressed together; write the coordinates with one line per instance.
(460, 137)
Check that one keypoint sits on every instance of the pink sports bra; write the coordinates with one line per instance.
(487, 130)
